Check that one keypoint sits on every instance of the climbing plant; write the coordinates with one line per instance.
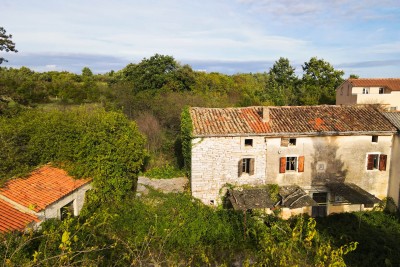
(186, 137)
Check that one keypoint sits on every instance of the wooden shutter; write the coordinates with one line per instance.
(282, 165)
(300, 164)
(370, 162)
(251, 167)
(240, 167)
(382, 162)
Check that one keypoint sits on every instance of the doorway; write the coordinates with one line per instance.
(321, 209)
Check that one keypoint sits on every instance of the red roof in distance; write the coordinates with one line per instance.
(391, 83)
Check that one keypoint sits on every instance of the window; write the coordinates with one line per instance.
(67, 210)
(341, 90)
(393, 108)
(381, 90)
(376, 162)
(374, 139)
(246, 165)
(365, 91)
(248, 142)
(285, 142)
(291, 164)
(292, 141)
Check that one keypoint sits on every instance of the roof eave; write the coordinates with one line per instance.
(302, 134)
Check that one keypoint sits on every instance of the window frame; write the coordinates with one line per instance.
(246, 165)
(374, 138)
(376, 161)
(365, 91)
(381, 90)
(248, 142)
(284, 161)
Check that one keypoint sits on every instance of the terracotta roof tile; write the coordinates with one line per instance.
(309, 120)
(391, 83)
(13, 219)
(41, 188)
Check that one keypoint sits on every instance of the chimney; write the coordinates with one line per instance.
(265, 114)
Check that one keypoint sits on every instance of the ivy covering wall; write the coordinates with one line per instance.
(186, 137)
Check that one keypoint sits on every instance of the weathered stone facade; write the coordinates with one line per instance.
(341, 156)
(216, 162)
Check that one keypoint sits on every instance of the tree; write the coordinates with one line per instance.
(320, 80)
(282, 83)
(6, 44)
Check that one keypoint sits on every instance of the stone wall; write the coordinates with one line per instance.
(77, 197)
(215, 163)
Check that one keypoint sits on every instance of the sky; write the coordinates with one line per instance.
(360, 37)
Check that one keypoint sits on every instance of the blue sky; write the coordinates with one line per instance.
(236, 36)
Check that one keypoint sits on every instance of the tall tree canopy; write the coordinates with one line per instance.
(6, 44)
(282, 83)
(320, 79)
(159, 72)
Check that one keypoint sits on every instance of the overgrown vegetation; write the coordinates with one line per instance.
(88, 142)
(172, 229)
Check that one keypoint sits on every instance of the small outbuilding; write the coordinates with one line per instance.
(48, 192)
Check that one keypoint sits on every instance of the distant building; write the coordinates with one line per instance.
(47, 192)
(382, 91)
(325, 159)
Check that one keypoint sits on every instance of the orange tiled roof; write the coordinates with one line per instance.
(41, 188)
(13, 219)
(391, 83)
(305, 120)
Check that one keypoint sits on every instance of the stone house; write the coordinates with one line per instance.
(47, 192)
(382, 91)
(326, 159)
(394, 182)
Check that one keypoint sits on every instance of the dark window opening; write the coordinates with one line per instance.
(321, 209)
(374, 139)
(381, 90)
(248, 142)
(67, 210)
(292, 141)
(246, 165)
(291, 163)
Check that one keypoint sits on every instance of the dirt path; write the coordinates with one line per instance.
(174, 185)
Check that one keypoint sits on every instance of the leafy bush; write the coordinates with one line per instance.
(87, 142)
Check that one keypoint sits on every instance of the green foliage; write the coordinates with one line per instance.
(6, 44)
(377, 233)
(164, 172)
(186, 137)
(285, 244)
(319, 82)
(105, 146)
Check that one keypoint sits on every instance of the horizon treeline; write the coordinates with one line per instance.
(154, 91)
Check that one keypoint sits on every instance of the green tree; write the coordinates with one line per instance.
(86, 72)
(282, 83)
(319, 82)
(6, 44)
